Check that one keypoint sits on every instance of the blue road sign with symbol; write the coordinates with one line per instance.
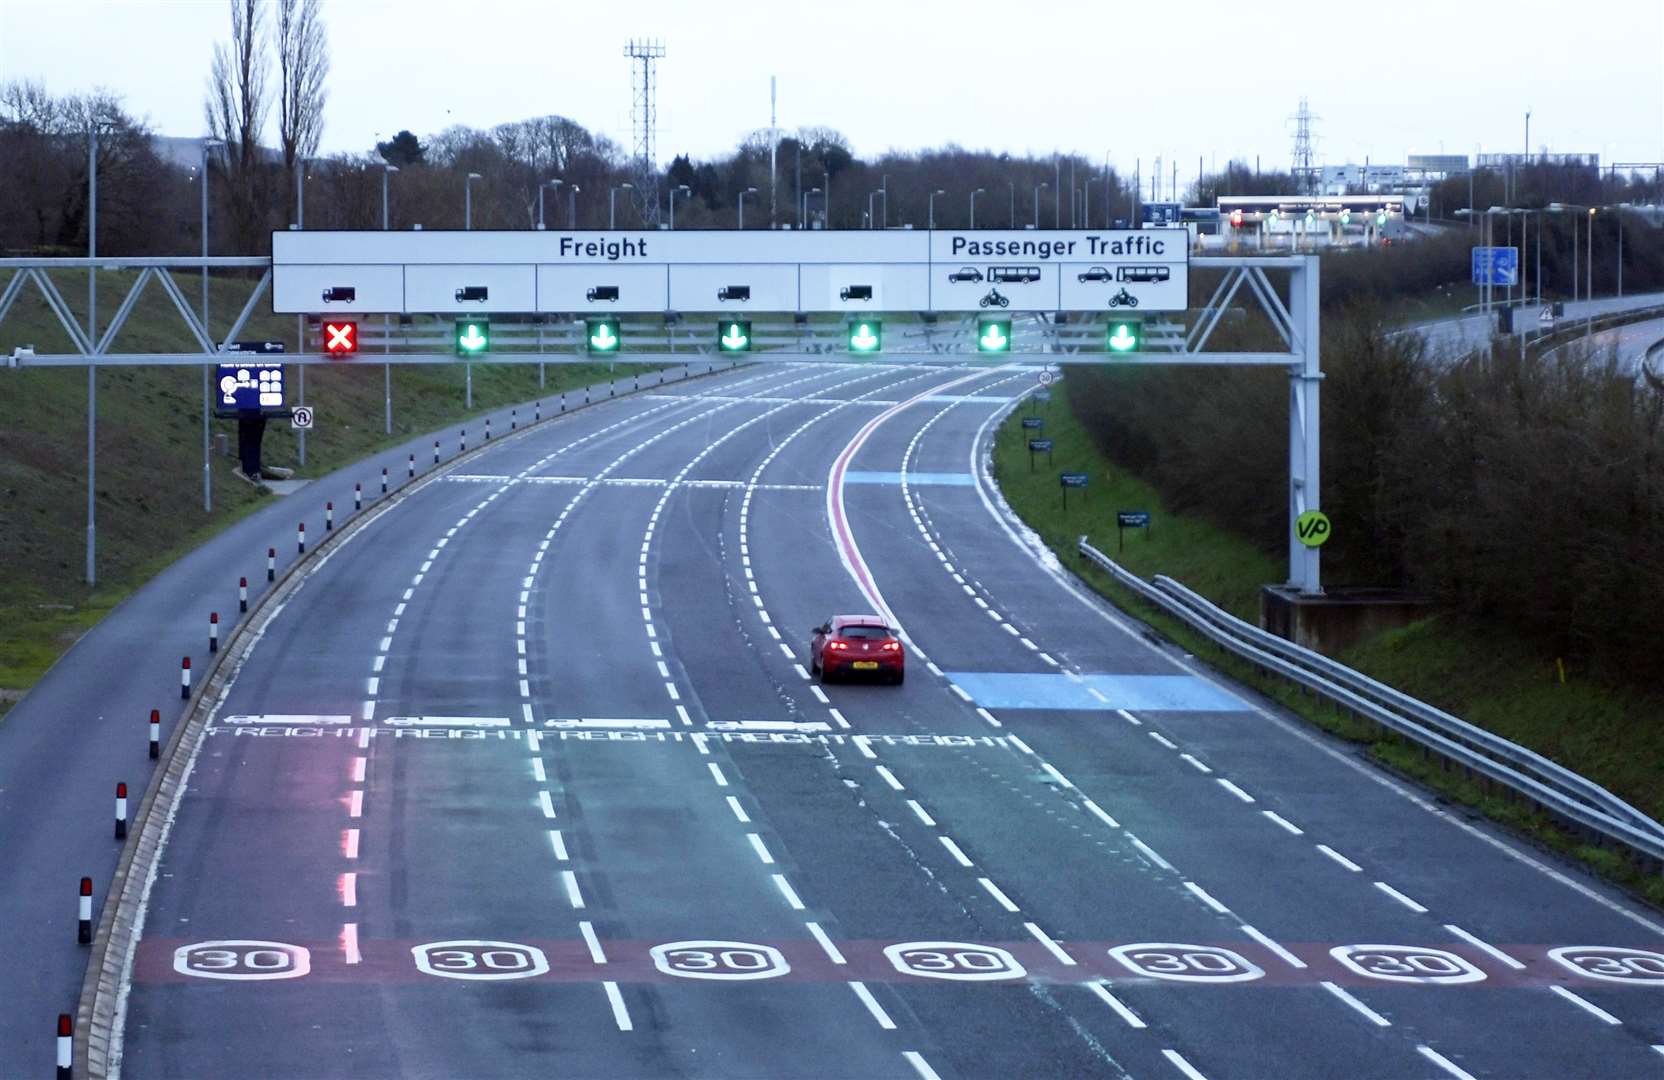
(1496, 266)
(249, 388)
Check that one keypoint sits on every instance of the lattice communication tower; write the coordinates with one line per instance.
(644, 118)
(1303, 166)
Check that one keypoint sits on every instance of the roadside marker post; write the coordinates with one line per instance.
(329, 517)
(358, 497)
(300, 537)
(155, 734)
(185, 679)
(83, 930)
(462, 441)
(242, 595)
(121, 811)
(213, 631)
(271, 565)
(488, 429)
(412, 474)
(384, 479)
(436, 451)
(66, 1047)
(514, 419)
(539, 414)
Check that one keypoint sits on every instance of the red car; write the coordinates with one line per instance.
(856, 645)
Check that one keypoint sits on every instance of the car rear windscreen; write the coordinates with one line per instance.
(875, 633)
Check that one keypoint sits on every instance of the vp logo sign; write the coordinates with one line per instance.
(1312, 528)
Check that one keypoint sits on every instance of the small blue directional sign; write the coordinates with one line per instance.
(1496, 266)
(1039, 446)
(1072, 479)
(1033, 422)
(1133, 519)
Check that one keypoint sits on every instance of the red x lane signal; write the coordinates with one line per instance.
(340, 338)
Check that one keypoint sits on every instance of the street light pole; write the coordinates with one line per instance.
(92, 368)
(974, 194)
(540, 187)
(871, 221)
(207, 369)
(930, 205)
(743, 194)
(612, 220)
(803, 206)
(386, 322)
(468, 200)
(572, 206)
(684, 189)
(1037, 187)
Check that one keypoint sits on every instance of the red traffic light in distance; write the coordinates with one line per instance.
(340, 338)
(1236, 219)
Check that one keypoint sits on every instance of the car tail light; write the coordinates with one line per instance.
(892, 646)
(837, 645)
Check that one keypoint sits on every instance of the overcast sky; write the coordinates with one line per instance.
(1127, 80)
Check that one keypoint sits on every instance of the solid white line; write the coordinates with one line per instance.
(1202, 895)
(1338, 857)
(1051, 946)
(1587, 1006)
(873, 1007)
(826, 945)
(1234, 790)
(1098, 812)
(739, 811)
(1055, 775)
(593, 942)
(1370, 1014)
(994, 891)
(788, 892)
(1401, 898)
(1282, 822)
(548, 806)
(349, 943)
(1182, 1065)
(1149, 851)
(920, 1065)
(716, 774)
(572, 894)
(1102, 991)
(1444, 1063)
(838, 718)
(1164, 740)
(889, 777)
(1289, 958)
(1129, 717)
(558, 842)
(761, 850)
(919, 811)
(953, 849)
(1484, 945)
(620, 1015)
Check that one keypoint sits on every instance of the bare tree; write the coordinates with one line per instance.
(303, 63)
(236, 112)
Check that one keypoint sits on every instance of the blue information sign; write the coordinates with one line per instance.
(1033, 422)
(1496, 266)
(1133, 519)
(249, 388)
(1072, 479)
(1036, 446)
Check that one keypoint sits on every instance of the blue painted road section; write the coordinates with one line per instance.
(1146, 693)
(944, 479)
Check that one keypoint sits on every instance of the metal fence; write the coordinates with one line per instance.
(1577, 802)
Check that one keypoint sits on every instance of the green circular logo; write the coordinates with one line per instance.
(1312, 528)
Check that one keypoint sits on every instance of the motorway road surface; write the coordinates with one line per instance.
(1448, 337)
(528, 778)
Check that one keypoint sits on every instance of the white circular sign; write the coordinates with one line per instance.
(1407, 963)
(242, 960)
(719, 960)
(1045, 378)
(1612, 964)
(958, 960)
(480, 960)
(302, 418)
(1186, 963)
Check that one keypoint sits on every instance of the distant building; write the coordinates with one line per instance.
(1504, 161)
(186, 153)
(1361, 179)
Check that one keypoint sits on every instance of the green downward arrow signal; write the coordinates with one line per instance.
(472, 340)
(603, 338)
(993, 338)
(863, 338)
(1123, 339)
(735, 338)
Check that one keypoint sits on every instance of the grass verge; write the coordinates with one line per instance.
(1484, 674)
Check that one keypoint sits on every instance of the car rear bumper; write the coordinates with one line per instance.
(847, 667)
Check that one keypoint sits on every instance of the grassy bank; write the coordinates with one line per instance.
(149, 455)
(1605, 730)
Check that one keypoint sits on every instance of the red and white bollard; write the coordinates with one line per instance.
(66, 1047)
(242, 594)
(462, 441)
(384, 479)
(436, 451)
(155, 734)
(411, 475)
(300, 537)
(121, 811)
(329, 517)
(357, 497)
(213, 631)
(83, 932)
(185, 678)
(271, 565)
